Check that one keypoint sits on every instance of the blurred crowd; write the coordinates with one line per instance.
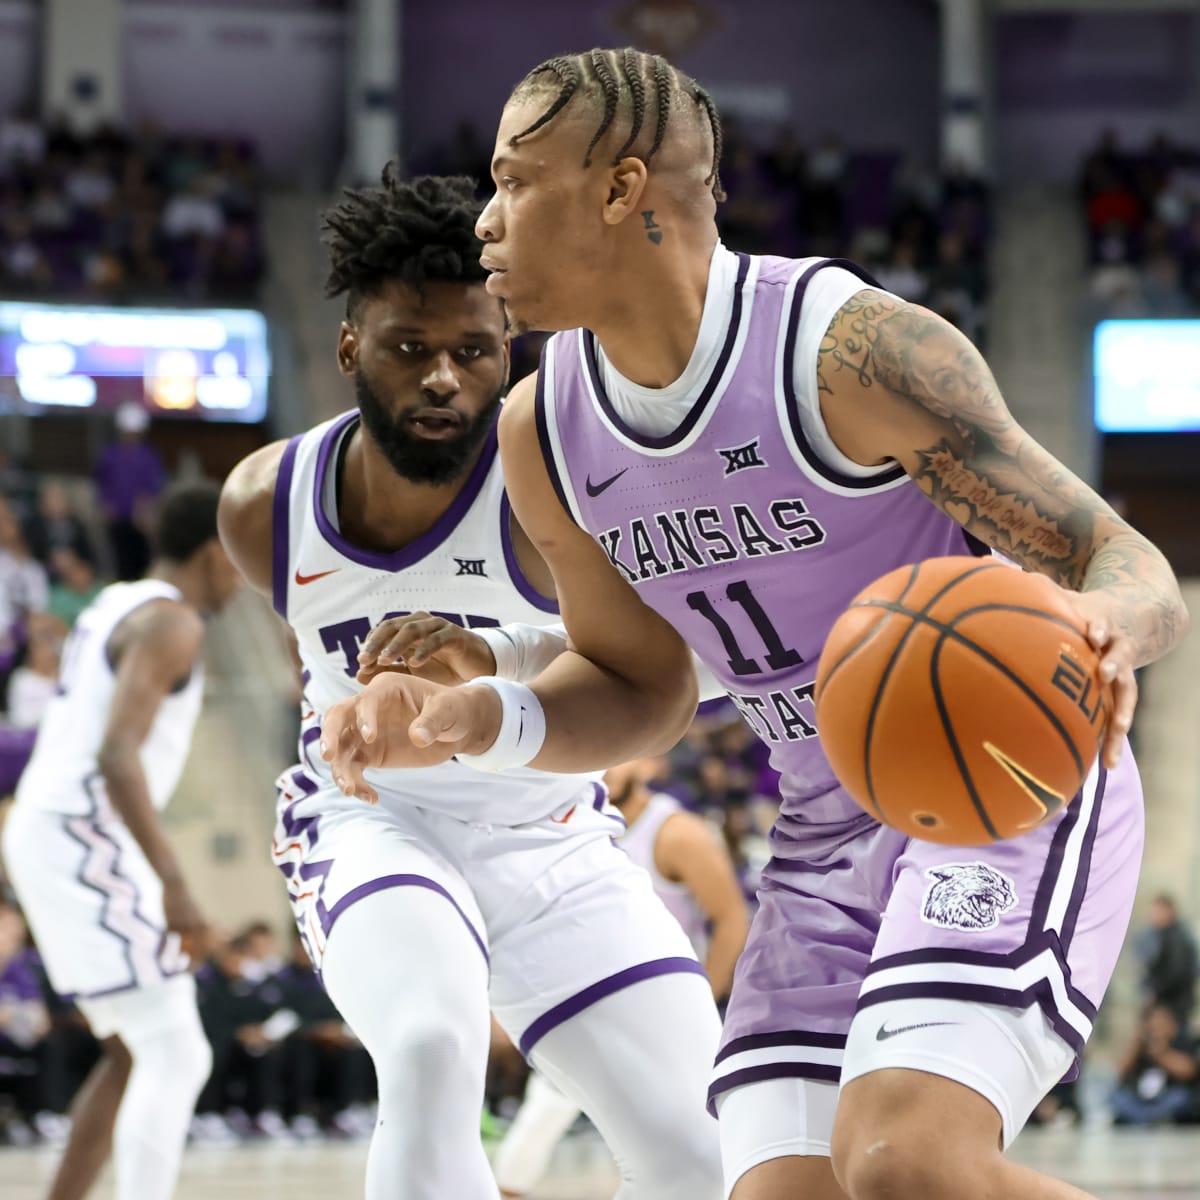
(1143, 219)
(285, 1067)
(61, 541)
(125, 216)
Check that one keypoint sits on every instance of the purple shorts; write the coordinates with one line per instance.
(1037, 920)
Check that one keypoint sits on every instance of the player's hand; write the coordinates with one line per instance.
(184, 917)
(402, 721)
(1118, 653)
(428, 646)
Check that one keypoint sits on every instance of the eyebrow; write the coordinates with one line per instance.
(507, 160)
(419, 331)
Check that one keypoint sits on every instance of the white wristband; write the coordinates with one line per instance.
(522, 727)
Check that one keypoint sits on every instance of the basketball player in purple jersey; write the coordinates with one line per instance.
(94, 870)
(457, 891)
(721, 451)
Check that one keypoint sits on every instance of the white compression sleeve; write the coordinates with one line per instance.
(523, 652)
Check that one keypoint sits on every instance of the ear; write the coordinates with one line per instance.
(347, 349)
(627, 184)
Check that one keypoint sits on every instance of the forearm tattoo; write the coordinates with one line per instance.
(987, 473)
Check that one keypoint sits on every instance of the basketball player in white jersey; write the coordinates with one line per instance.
(458, 890)
(693, 875)
(93, 869)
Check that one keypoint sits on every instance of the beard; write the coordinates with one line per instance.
(418, 459)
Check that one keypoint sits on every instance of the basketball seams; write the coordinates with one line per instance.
(948, 631)
(827, 679)
(952, 739)
(885, 676)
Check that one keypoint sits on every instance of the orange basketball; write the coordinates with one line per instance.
(959, 700)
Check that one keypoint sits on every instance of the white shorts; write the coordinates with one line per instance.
(93, 903)
(559, 912)
(1010, 1056)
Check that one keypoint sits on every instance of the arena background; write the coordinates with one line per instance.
(1030, 168)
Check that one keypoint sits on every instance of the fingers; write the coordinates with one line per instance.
(421, 649)
(444, 717)
(1116, 673)
(396, 639)
(1124, 703)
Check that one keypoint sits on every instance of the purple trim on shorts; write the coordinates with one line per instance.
(819, 1072)
(522, 584)
(280, 515)
(91, 819)
(306, 740)
(601, 799)
(677, 435)
(391, 881)
(553, 468)
(1047, 940)
(71, 997)
(1038, 993)
(759, 1041)
(814, 460)
(575, 1004)
(420, 547)
(1083, 873)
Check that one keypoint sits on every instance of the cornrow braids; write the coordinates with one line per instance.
(610, 77)
(420, 231)
(705, 101)
(612, 93)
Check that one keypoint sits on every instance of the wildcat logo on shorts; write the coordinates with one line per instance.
(970, 896)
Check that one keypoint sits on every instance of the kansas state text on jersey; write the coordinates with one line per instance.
(733, 526)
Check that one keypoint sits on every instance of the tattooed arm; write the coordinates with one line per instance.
(898, 382)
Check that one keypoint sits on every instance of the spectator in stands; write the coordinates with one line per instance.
(34, 680)
(55, 524)
(24, 587)
(24, 1023)
(75, 584)
(1157, 1076)
(1170, 965)
(129, 477)
(24, 267)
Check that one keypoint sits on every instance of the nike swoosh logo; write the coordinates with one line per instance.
(883, 1033)
(303, 579)
(594, 489)
(1046, 798)
(564, 819)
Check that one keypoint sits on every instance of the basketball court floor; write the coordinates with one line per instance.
(1112, 1164)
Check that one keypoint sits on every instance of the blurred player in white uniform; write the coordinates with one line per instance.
(457, 890)
(93, 869)
(694, 877)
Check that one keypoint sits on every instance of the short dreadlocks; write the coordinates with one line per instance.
(420, 230)
(612, 80)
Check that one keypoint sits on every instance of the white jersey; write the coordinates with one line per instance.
(63, 775)
(333, 593)
(639, 841)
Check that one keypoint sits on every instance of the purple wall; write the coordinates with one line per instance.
(1062, 78)
(275, 77)
(865, 69)
(19, 48)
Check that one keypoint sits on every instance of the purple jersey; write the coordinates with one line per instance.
(735, 528)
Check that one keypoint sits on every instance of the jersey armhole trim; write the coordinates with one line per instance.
(516, 575)
(280, 513)
(545, 367)
(812, 459)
